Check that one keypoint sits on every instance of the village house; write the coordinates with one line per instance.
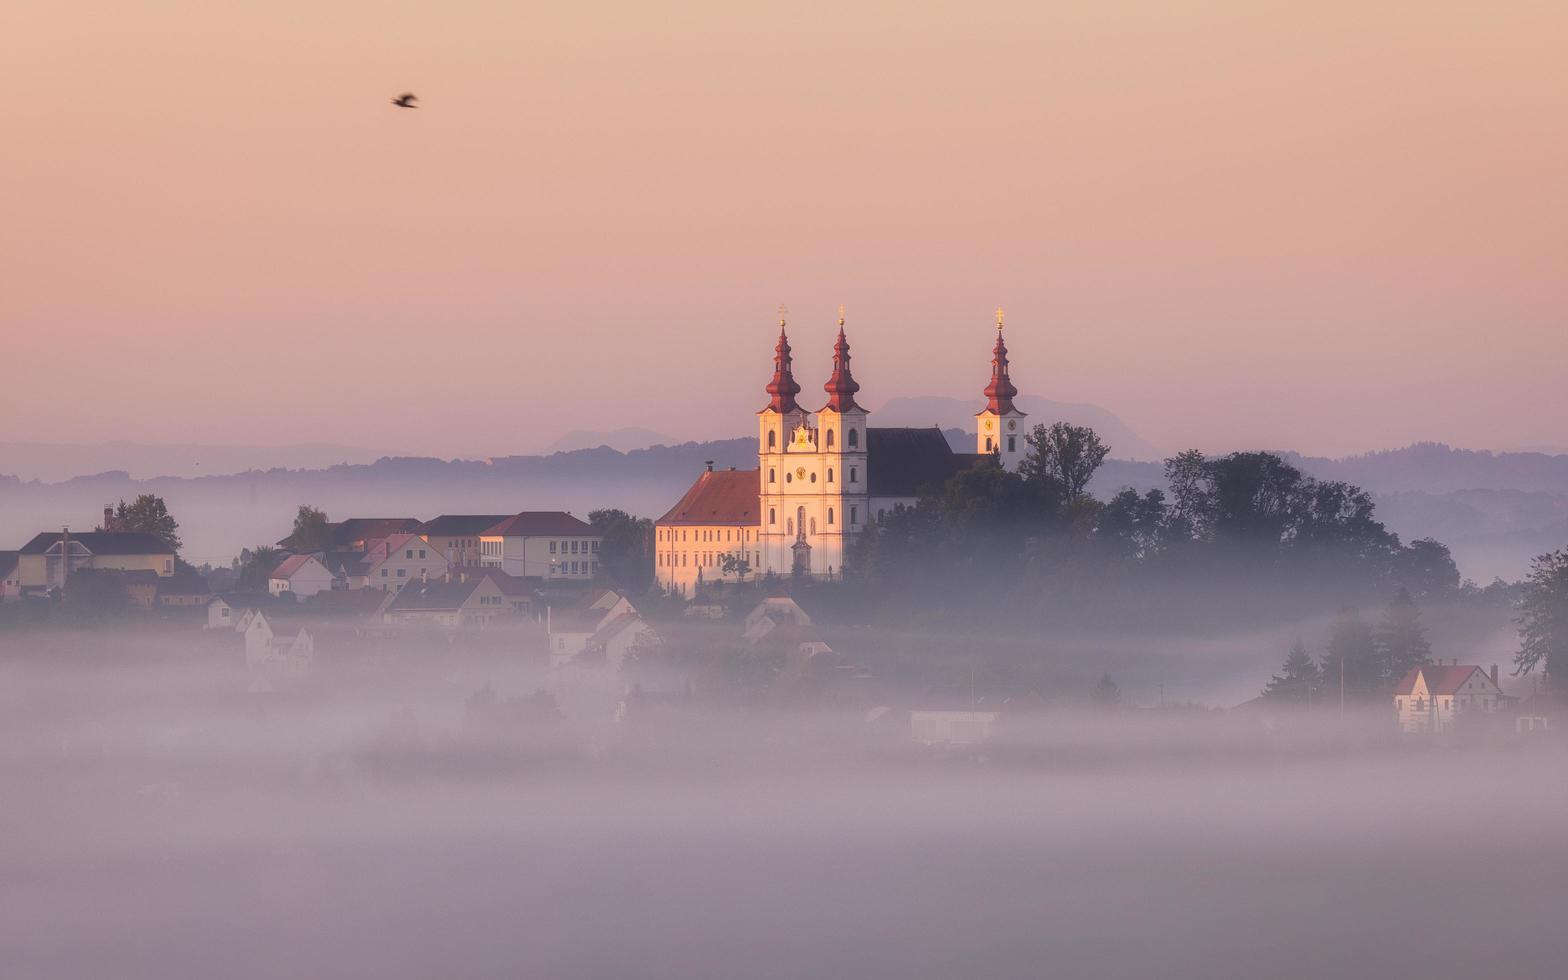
(300, 576)
(552, 545)
(40, 565)
(285, 656)
(1435, 698)
(450, 602)
(457, 535)
(570, 629)
(392, 563)
(956, 717)
(184, 591)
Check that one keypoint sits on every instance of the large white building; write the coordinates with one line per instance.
(821, 478)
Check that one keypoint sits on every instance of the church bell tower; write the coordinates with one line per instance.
(999, 427)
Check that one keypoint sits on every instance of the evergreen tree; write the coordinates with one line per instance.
(1106, 693)
(1400, 639)
(1351, 647)
(1300, 681)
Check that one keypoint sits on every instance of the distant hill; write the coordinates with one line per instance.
(959, 413)
(53, 462)
(623, 440)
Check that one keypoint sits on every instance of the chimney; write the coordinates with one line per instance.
(1494, 675)
(108, 518)
(709, 464)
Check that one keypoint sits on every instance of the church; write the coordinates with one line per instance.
(821, 478)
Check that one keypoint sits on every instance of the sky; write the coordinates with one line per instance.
(1330, 227)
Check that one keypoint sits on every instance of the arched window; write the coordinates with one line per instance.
(773, 439)
(830, 438)
(772, 475)
(987, 443)
(1012, 444)
(773, 516)
(853, 515)
(854, 474)
(830, 517)
(830, 474)
(854, 438)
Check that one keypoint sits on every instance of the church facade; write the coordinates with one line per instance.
(822, 477)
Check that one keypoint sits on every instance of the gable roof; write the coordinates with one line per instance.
(531, 523)
(720, 497)
(448, 525)
(900, 462)
(1440, 679)
(102, 543)
(288, 566)
(511, 586)
(435, 595)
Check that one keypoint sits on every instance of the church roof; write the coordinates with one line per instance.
(901, 462)
(719, 497)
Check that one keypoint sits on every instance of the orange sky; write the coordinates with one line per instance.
(1239, 223)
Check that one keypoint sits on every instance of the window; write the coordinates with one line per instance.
(987, 443)
(830, 517)
(772, 475)
(813, 478)
(409, 553)
(773, 516)
(854, 474)
(402, 573)
(773, 439)
(383, 573)
(854, 438)
(1012, 444)
(853, 515)
(421, 552)
(552, 547)
(830, 438)
(830, 474)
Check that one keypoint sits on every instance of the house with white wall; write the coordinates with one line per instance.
(551, 545)
(283, 655)
(1435, 698)
(300, 576)
(393, 562)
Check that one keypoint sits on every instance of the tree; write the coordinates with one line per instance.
(1299, 680)
(1106, 693)
(1400, 639)
(1065, 455)
(312, 532)
(1351, 646)
(255, 567)
(735, 564)
(625, 548)
(1543, 619)
(1427, 569)
(147, 514)
(1134, 526)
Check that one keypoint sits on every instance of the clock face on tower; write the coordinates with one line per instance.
(1012, 424)
(800, 472)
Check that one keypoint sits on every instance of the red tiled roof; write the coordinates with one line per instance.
(719, 497)
(290, 565)
(532, 523)
(1443, 680)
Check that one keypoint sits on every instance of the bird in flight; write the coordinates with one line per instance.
(406, 101)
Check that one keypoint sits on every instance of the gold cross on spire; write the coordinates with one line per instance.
(841, 314)
(999, 319)
(783, 312)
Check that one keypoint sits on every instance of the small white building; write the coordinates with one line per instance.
(301, 576)
(771, 613)
(571, 630)
(286, 656)
(1434, 698)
